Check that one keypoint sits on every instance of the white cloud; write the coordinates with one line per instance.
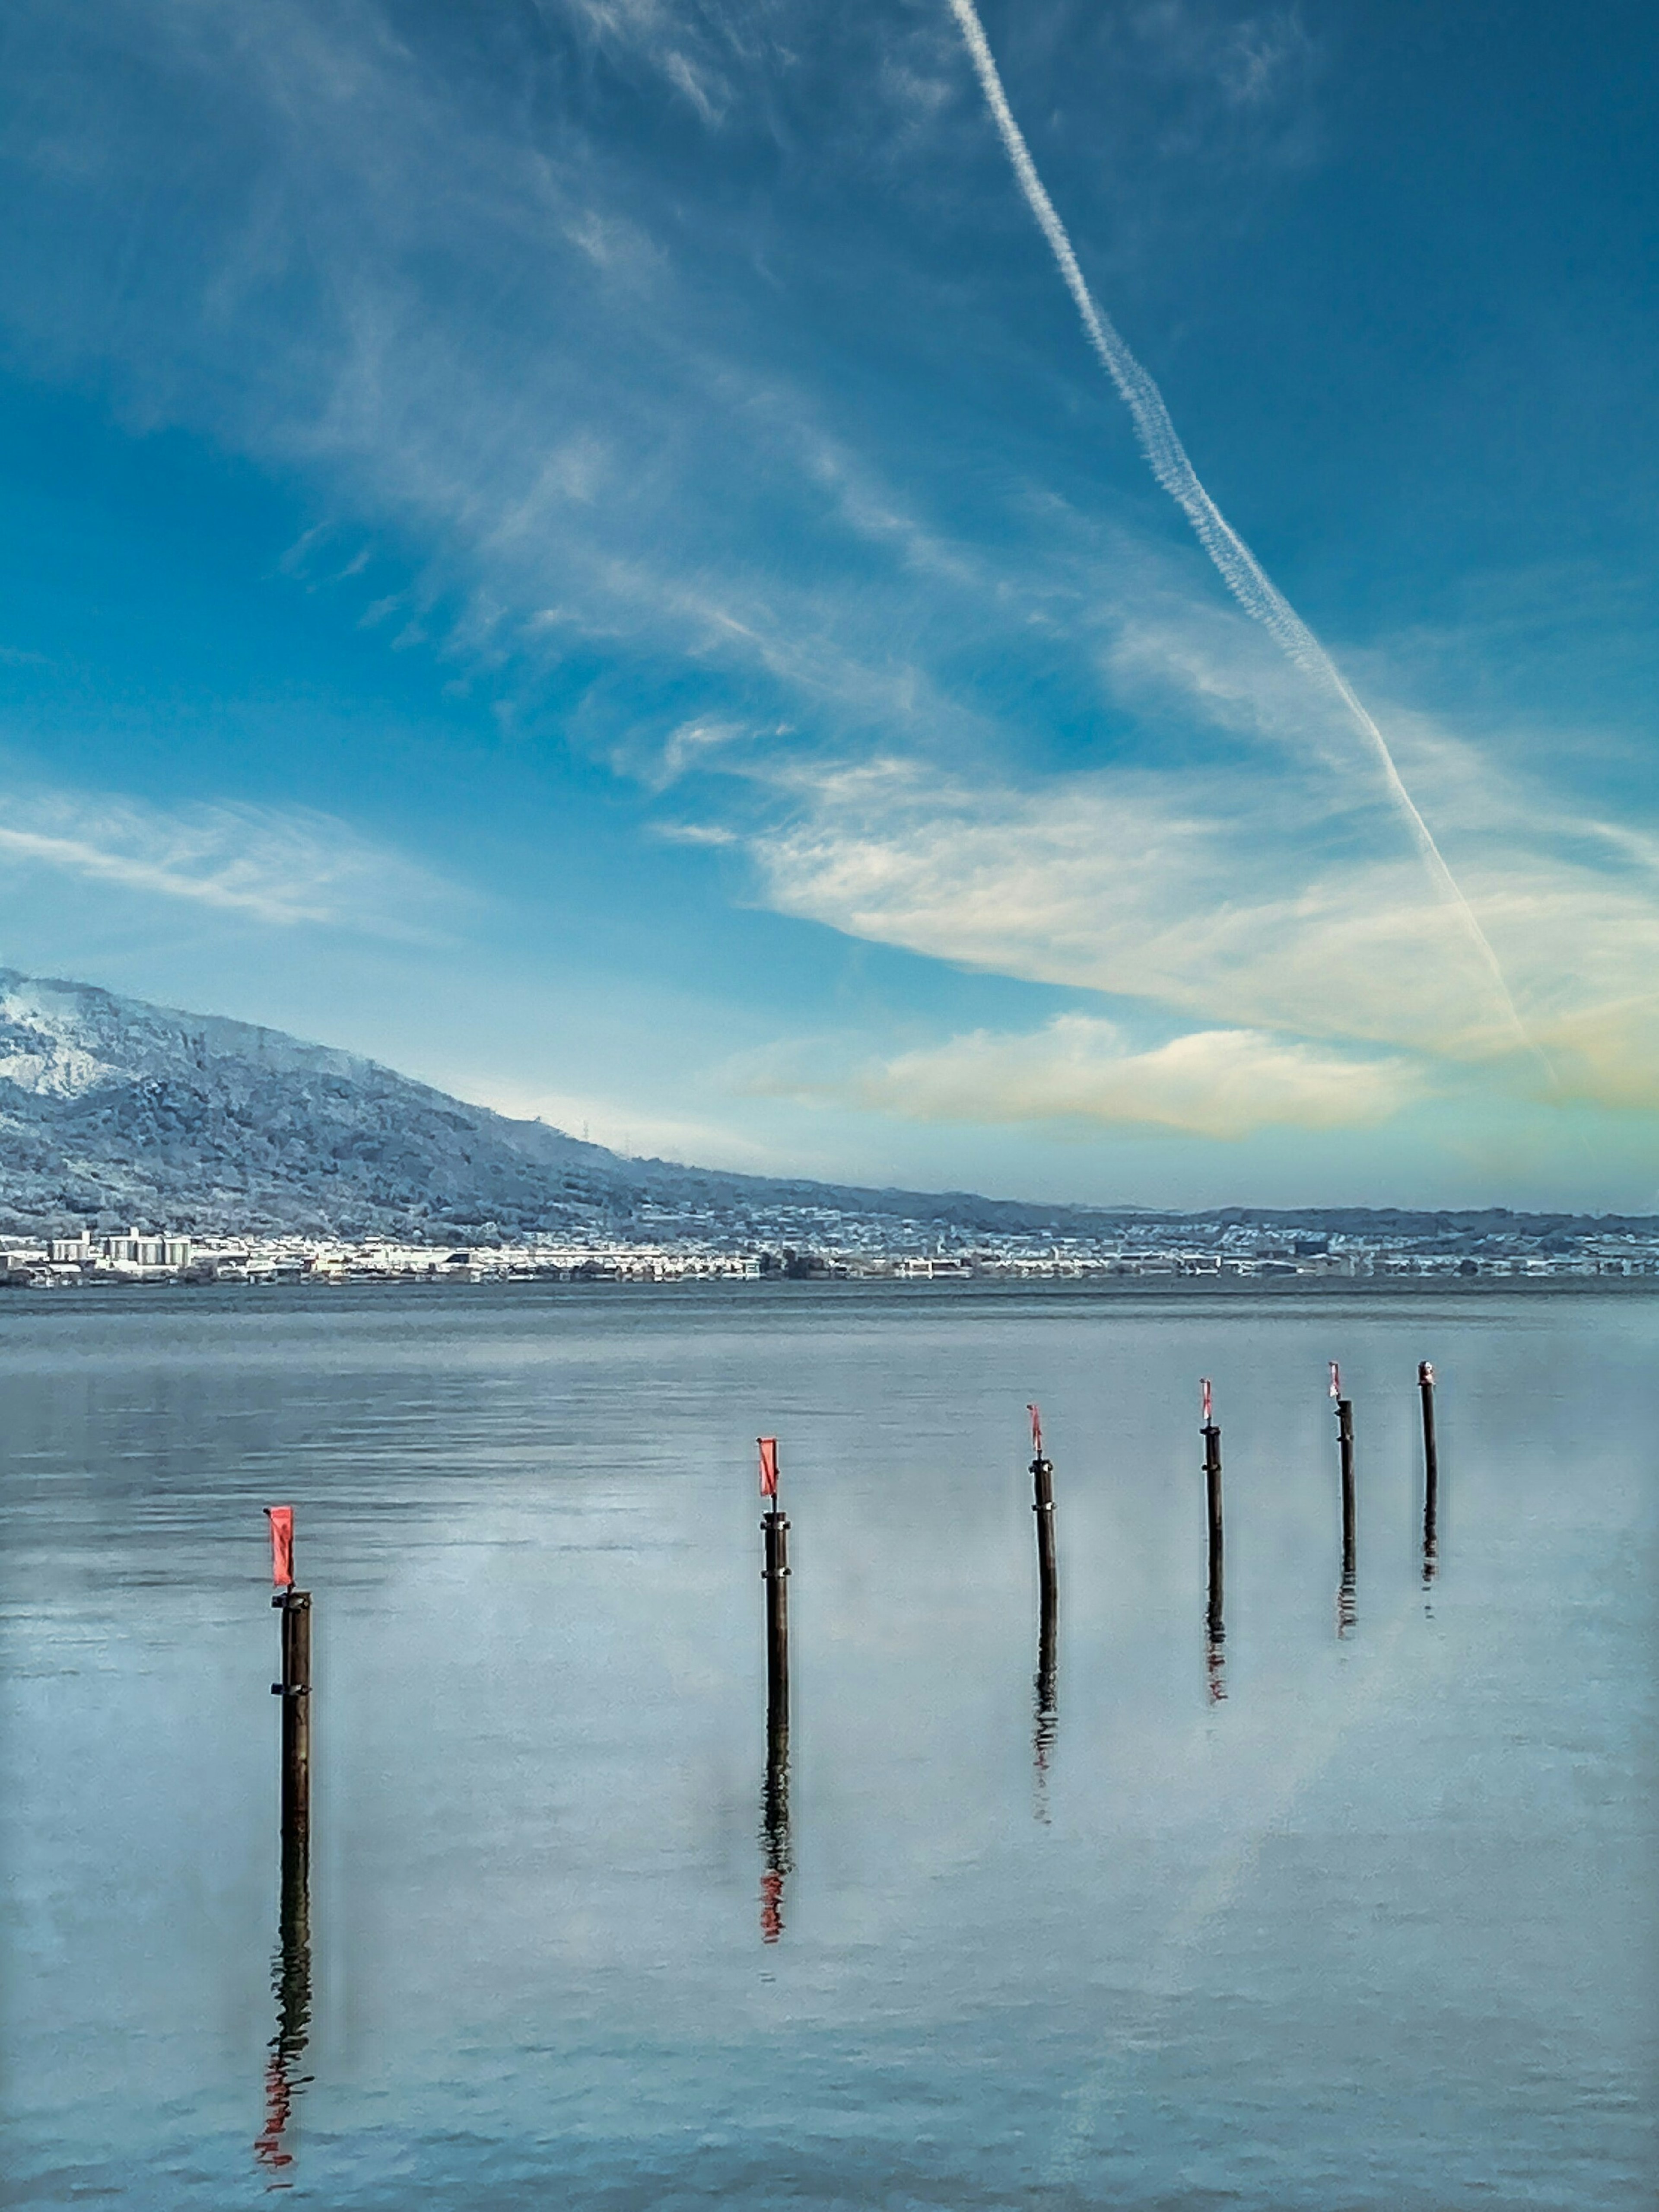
(468, 329)
(282, 866)
(1250, 902)
(465, 318)
(1080, 1070)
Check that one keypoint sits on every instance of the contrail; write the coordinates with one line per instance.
(1241, 571)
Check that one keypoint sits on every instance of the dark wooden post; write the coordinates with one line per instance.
(1042, 1487)
(1430, 1472)
(1214, 1624)
(294, 1691)
(291, 1968)
(1345, 1602)
(1042, 1504)
(1212, 1491)
(1043, 1685)
(775, 1793)
(774, 1529)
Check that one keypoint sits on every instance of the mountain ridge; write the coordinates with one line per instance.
(115, 1111)
(113, 1107)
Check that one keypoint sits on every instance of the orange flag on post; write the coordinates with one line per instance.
(281, 1545)
(768, 1465)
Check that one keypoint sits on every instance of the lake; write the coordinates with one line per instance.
(1353, 1908)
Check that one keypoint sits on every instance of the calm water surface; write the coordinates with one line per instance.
(1311, 1919)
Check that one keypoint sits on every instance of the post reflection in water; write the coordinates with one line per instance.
(290, 1983)
(1044, 1705)
(776, 1862)
(1215, 1631)
(1346, 1608)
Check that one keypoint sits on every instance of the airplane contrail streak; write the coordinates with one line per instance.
(1241, 571)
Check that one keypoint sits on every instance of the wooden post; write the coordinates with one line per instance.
(1216, 1631)
(774, 1796)
(1431, 1473)
(291, 1968)
(1043, 1488)
(294, 1691)
(774, 1527)
(1345, 1603)
(1043, 1684)
(1213, 1488)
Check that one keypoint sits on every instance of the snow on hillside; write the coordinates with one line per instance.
(109, 1106)
(113, 1111)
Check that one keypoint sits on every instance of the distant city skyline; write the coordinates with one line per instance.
(585, 552)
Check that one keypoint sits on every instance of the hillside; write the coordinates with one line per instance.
(115, 1111)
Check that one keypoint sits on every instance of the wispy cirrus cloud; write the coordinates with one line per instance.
(1247, 904)
(281, 866)
(592, 396)
(486, 341)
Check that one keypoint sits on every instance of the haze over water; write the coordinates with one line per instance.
(1372, 1928)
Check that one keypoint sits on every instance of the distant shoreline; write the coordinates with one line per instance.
(912, 1290)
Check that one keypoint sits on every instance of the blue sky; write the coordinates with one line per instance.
(581, 548)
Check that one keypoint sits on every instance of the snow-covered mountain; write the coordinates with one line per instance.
(109, 1106)
(114, 1111)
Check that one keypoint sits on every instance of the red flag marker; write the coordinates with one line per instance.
(281, 1518)
(1036, 1431)
(768, 1465)
(1204, 1387)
